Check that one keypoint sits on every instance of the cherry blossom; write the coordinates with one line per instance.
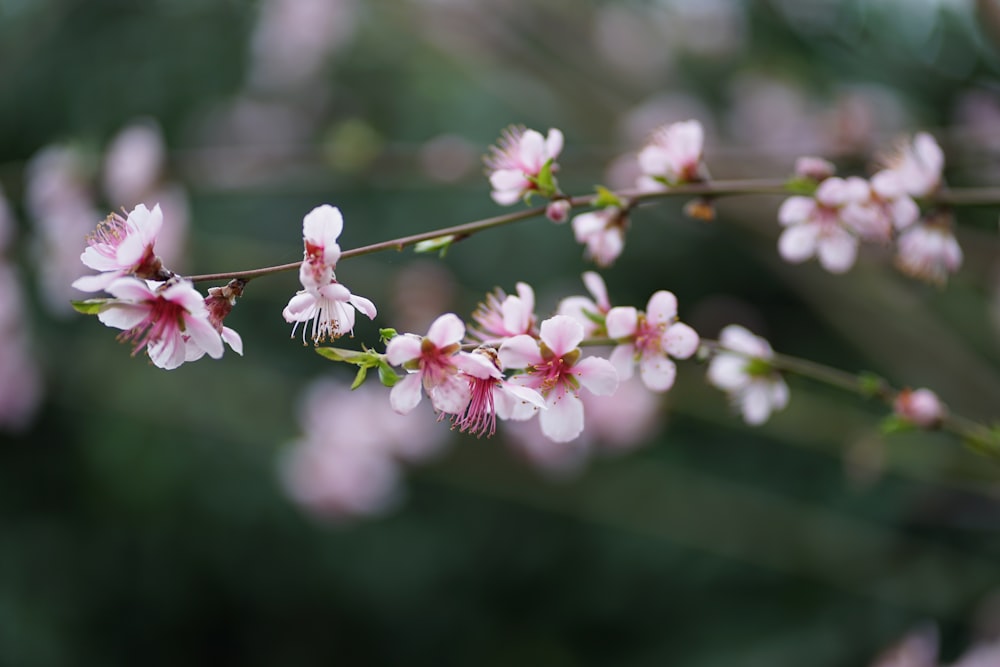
(814, 168)
(742, 370)
(603, 232)
(920, 406)
(589, 312)
(329, 305)
(815, 226)
(517, 161)
(503, 315)
(672, 156)
(650, 338)
(491, 395)
(918, 165)
(430, 361)
(164, 320)
(554, 367)
(123, 246)
(929, 250)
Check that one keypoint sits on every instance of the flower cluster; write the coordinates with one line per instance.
(742, 368)
(160, 313)
(844, 212)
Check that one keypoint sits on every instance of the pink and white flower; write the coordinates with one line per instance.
(554, 367)
(430, 361)
(918, 165)
(491, 395)
(589, 312)
(164, 320)
(742, 369)
(929, 251)
(503, 316)
(329, 305)
(650, 338)
(816, 225)
(123, 246)
(517, 161)
(921, 407)
(603, 232)
(672, 156)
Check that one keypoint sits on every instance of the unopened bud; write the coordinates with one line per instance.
(920, 407)
(814, 168)
(558, 211)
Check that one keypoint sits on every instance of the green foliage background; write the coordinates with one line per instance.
(141, 517)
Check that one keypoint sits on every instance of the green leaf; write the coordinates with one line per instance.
(386, 375)
(544, 181)
(871, 385)
(360, 377)
(90, 306)
(387, 334)
(340, 354)
(800, 185)
(439, 245)
(895, 424)
(606, 198)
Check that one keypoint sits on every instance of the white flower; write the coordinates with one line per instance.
(741, 369)
(603, 232)
(929, 251)
(672, 156)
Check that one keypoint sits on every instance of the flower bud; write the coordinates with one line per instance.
(920, 407)
(814, 168)
(557, 211)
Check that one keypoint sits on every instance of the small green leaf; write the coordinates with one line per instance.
(871, 385)
(387, 334)
(386, 375)
(90, 306)
(360, 377)
(606, 198)
(439, 245)
(544, 181)
(895, 424)
(340, 354)
(801, 185)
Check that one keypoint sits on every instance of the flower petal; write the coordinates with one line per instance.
(519, 352)
(680, 341)
(563, 420)
(406, 393)
(597, 375)
(657, 372)
(622, 322)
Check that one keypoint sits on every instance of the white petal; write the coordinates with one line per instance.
(798, 242)
(233, 339)
(96, 283)
(553, 143)
(756, 404)
(300, 308)
(446, 330)
(657, 372)
(561, 334)
(532, 151)
(837, 253)
(406, 393)
(519, 352)
(364, 305)
(509, 179)
(322, 225)
(796, 210)
(621, 321)
(680, 341)
(662, 307)
(452, 395)
(728, 372)
(204, 335)
(123, 315)
(597, 375)
(563, 421)
(623, 359)
(595, 285)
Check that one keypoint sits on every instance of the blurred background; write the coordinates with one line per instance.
(165, 518)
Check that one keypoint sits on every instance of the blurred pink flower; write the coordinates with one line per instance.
(920, 407)
(517, 160)
(502, 316)
(672, 156)
(816, 225)
(133, 162)
(929, 250)
(741, 369)
(121, 247)
(603, 232)
(918, 164)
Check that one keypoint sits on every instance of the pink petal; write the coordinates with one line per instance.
(123, 315)
(798, 243)
(622, 322)
(516, 314)
(168, 352)
(519, 352)
(563, 420)
(680, 341)
(233, 339)
(795, 210)
(401, 349)
(561, 334)
(300, 308)
(509, 179)
(553, 143)
(728, 372)
(406, 393)
(131, 289)
(837, 253)
(735, 337)
(452, 395)
(595, 285)
(657, 372)
(507, 197)
(597, 375)
(517, 403)
(476, 365)
(662, 307)
(96, 283)
(204, 335)
(364, 305)
(623, 359)
(322, 226)
(654, 161)
(532, 152)
(446, 330)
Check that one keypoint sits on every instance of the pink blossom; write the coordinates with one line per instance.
(742, 369)
(431, 365)
(921, 407)
(554, 367)
(815, 226)
(891, 200)
(814, 168)
(558, 210)
(672, 156)
(918, 165)
(163, 320)
(123, 246)
(589, 312)
(491, 396)
(329, 305)
(929, 251)
(133, 162)
(650, 339)
(603, 232)
(517, 160)
(503, 316)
